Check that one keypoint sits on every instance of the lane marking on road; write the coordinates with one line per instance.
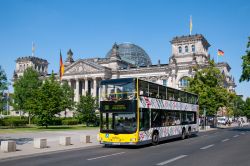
(206, 147)
(236, 136)
(105, 156)
(224, 140)
(171, 160)
(204, 135)
(242, 133)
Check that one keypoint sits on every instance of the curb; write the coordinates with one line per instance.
(46, 153)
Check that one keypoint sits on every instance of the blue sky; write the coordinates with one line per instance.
(90, 27)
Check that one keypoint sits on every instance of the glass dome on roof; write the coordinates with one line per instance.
(133, 54)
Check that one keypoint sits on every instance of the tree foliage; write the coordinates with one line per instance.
(86, 109)
(25, 91)
(3, 87)
(247, 108)
(238, 106)
(245, 76)
(43, 100)
(68, 97)
(208, 84)
(49, 101)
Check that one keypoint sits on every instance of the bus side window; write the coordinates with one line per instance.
(143, 88)
(176, 95)
(183, 96)
(144, 119)
(170, 93)
(162, 92)
(153, 90)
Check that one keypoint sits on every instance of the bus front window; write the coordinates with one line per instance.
(118, 91)
(118, 122)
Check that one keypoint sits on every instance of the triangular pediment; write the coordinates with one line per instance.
(82, 66)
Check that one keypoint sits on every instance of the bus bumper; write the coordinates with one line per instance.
(118, 143)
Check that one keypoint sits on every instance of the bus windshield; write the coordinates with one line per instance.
(121, 89)
(118, 122)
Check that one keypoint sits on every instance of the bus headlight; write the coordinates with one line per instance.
(132, 139)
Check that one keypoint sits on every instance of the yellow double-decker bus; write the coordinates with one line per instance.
(136, 112)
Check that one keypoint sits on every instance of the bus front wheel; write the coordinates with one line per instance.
(155, 138)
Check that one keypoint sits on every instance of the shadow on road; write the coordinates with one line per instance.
(147, 145)
(241, 129)
(19, 141)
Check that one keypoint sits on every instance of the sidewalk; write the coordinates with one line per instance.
(232, 125)
(221, 127)
(24, 141)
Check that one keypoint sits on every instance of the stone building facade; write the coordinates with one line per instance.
(129, 60)
(22, 63)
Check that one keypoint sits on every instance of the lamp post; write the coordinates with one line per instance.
(7, 102)
(204, 115)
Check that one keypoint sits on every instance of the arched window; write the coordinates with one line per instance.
(193, 48)
(180, 49)
(186, 48)
(183, 82)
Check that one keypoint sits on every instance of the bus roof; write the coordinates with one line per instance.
(118, 80)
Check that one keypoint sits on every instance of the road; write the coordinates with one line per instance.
(229, 147)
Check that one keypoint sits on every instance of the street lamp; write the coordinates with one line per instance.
(7, 101)
(204, 115)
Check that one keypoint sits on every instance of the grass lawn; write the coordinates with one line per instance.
(4, 130)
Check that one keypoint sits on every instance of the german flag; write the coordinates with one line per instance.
(61, 66)
(220, 52)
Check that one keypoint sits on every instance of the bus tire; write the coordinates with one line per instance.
(183, 134)
(155, 138)
(189, 132)
(106, 145)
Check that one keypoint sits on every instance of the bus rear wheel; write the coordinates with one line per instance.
(183, 134)
(189, 133)
(155, 138)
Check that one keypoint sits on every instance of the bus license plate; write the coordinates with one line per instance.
(116, 143)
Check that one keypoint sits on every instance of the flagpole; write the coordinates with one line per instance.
(33, 49)
(190, 25)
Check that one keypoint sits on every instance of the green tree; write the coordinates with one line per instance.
(49, 101)
(25, 91)
(86, 109)
(245, 76)
(68, 97)
(208, 84)
(3, 86)
(238, 106)
(247, 108)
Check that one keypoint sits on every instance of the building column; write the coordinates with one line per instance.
(69, 83)
(83, 87)
(77, 91)
(94, 87)
(86, 86)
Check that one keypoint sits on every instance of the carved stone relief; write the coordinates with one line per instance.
(81, 68)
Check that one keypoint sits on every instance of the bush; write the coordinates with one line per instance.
(56, 121)
(1, 122)
(70, 122)
(34, 120)
(14, 121)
